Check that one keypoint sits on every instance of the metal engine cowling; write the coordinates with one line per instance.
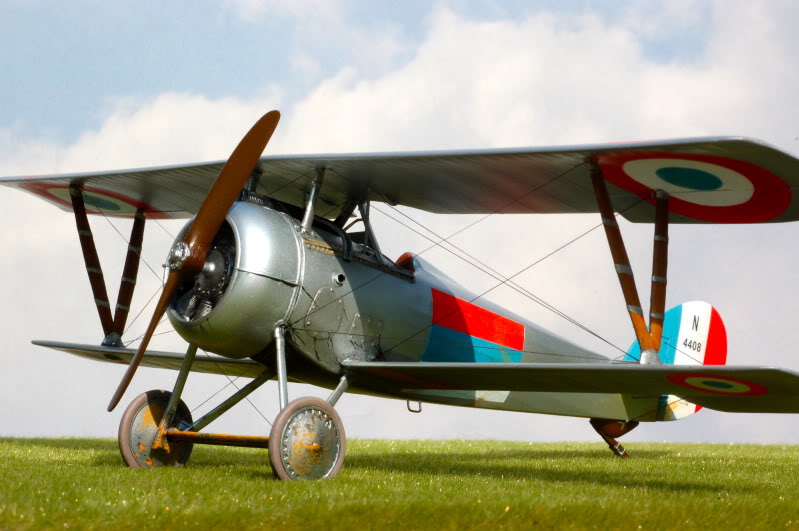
(246, 287)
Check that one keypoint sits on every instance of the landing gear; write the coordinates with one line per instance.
(140, 426)
(307, 441)
(610, 429)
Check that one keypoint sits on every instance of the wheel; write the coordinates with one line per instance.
(139, 426)
(307, 441)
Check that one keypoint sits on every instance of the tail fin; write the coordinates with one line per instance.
(693, 334)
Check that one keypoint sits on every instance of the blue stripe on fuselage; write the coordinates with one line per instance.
(445, 345)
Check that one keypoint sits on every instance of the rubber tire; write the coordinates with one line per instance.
(304, 461)
(138, 428)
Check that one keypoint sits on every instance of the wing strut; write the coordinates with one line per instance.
(113, 326)
(660, 261)
(649, 338)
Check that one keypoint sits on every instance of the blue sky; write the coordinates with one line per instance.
(66, 63)
(106, 85)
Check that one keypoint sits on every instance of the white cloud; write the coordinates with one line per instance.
(319, 33)
(542, 80)
(170, 129)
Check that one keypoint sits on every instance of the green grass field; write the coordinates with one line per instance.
(81, 483)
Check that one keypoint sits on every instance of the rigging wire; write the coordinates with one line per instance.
(526, 269)
(131, 322)
(497, 277)
(486, 269)
(100, 210)
(231, 382)
(445, 244)
(142, 260)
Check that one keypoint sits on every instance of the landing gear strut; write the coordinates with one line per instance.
(610, 429)
(307, 440)
(140, 426)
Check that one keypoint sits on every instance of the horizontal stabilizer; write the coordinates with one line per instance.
(159, 360)
(737, 389)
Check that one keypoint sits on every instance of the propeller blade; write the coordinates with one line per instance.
(226, 189)
(172, 283)
(188, 256)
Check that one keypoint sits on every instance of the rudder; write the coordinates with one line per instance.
(693, 334)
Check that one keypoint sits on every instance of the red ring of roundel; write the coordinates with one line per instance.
(42, 188)
(770, 198)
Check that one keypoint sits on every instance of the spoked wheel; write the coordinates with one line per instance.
(307, 441)
(138, 429)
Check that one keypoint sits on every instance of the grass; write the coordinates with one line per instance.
(82, 483)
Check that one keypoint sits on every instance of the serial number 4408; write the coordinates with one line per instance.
(696, 346)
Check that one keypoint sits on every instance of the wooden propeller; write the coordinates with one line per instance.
(187, 257)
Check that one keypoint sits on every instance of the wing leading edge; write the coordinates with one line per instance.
(159, 360)
(725, 180)
(725, 388)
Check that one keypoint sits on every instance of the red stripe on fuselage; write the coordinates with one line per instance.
(462, 316)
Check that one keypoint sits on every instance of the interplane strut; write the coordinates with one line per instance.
(649, 337)
(113, 326)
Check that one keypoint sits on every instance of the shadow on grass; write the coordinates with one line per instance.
(560, 465)
(548, 466)
(105, 452)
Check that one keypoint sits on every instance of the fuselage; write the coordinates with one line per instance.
(341, 300)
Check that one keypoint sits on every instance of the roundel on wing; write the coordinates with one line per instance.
(97, 201)
(719, 385)
(703, 187)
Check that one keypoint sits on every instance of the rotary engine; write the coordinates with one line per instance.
(196, 299)
(247, 285)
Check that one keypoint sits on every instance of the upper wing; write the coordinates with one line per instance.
(726, 180)
(725, 388)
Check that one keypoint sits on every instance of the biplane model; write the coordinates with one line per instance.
(279, 275)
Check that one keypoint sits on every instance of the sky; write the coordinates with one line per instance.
(92, 85)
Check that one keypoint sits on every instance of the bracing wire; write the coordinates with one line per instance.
(231, 382)
(446, 244)
(486, 269)
(501, 280)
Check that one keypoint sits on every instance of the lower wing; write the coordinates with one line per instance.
(160, 360)
(724, 388)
